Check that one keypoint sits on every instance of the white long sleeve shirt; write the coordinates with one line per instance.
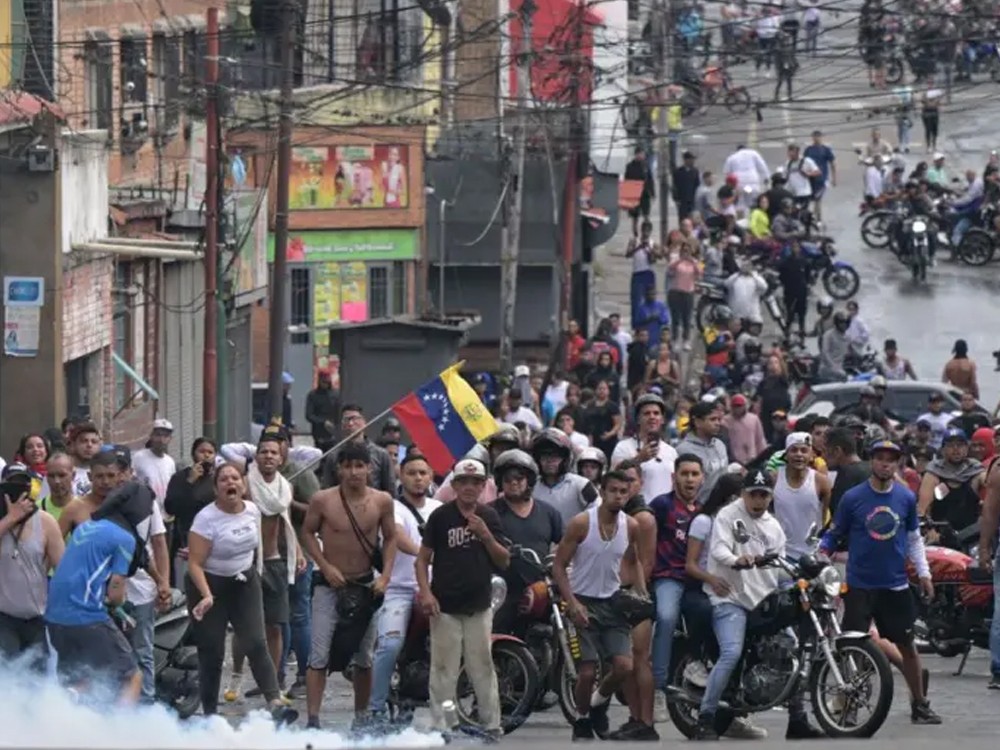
(745, 292)
(873, 182)
(749, 587)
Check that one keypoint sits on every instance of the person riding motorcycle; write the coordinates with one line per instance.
(786, 227)
(569, 493)
(777, 195)
(591, 463)
(748, 373)
(915, 202)
(833, 350)
(962, 478)
(526, 523)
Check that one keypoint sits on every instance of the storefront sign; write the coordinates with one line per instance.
(23, 291)
(349, 245)
(353, 176)
(21, 331)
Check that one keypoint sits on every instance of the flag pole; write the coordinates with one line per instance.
(382, 414)
(343, 442)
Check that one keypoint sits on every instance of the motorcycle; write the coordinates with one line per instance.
(517, 674)
(841, 670)
(175, 657)
(550, 635)
(840, 280)
(979, 243)
(961, 612)
(713, 294)
(917, 227)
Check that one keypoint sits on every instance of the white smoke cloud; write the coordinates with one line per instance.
(38, 713)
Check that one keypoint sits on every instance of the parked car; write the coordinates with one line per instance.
(904, 401)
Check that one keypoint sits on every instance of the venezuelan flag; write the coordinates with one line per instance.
(445, 418)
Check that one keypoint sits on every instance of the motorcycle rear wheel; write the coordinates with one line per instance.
(866, 659)
(738, 100)
(518, 682)
(893, 70)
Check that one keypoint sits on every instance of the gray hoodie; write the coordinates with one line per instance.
(714, 459)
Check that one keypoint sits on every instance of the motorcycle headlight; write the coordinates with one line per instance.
(498, 592)
(829, 581)
(919, 226)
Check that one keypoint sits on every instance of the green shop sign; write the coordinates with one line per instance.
(348, 244)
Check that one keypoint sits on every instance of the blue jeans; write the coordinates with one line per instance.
(393, 619)
(995, 626)
(669, 594)
(729, 621)
(296, 635)
(141, 638)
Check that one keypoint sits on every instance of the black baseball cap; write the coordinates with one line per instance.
(757, 481)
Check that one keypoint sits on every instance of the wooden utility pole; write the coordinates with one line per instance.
(279, 268)
(511, 229)
(665, 77)
(210, 358)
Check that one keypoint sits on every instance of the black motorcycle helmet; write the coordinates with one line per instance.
(552, 440)
(515, 459)
(721, 315)
(841, 320)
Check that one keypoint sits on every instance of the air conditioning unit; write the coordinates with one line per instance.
(41, 158)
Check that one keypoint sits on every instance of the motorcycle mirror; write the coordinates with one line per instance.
(740, 533)
(941, 491)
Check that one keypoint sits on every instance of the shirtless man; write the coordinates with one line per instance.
(344, 557)
(105, 476)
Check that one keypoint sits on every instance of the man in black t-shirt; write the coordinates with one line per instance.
(842, 458)
(461, 540)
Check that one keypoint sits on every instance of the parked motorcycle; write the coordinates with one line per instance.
(840, 280)
(175, 657)
(961, 612)
(846, 674)
(517, 674)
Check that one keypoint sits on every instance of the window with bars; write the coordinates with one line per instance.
(379, 300)
(134, 68)
(390, 41)
(99, 80)
(300, 299)
(167, 81)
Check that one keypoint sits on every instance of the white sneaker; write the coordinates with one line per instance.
(687, 346)
(660, 715)
(743, 729)
(696, 674)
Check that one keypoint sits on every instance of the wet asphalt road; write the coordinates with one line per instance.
(831, 93)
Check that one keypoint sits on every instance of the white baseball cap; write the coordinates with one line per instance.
(469, 467)
(521, 371)
(798, 438)
(163, 424)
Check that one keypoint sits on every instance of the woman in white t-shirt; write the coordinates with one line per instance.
(695, 605)
(224, 584)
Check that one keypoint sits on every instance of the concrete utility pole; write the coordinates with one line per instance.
(279, 268)
(665, 77)
(511, 231)
(210, 358)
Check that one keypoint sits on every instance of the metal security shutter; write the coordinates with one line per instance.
(183, 325)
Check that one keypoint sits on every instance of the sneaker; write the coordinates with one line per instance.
(801, 729)
(582, 730)
(660, 714)
(922, 713)
(284, 716)
(705, 731)
(298, 688)
(994, 683)
(626, 730)
(232, 692)
(743, 729)
(645, 733)
(599, 721)
(696, 674)
(312, 722)
(687, 346)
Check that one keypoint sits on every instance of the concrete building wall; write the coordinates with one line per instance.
(31, 388)
(83, 174)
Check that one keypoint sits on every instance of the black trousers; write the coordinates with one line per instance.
(239, 603)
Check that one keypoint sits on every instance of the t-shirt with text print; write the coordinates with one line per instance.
(462, 566)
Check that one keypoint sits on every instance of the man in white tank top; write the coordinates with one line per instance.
(801, 495)
(595, 543)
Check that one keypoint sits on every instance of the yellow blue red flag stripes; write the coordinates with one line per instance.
(445, 418)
